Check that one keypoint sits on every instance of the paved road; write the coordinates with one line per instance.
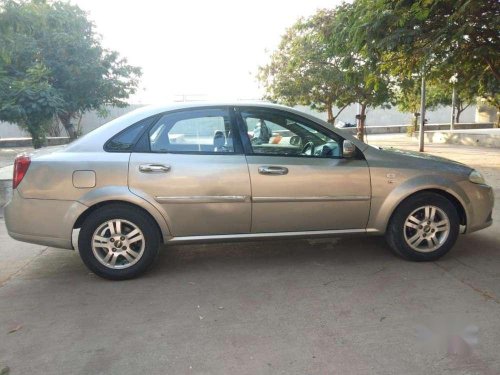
(328, 306)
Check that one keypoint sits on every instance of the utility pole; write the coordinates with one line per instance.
(422, 114)
(453, 81)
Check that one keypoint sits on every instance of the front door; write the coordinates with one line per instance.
(196, 172)
(300, 182)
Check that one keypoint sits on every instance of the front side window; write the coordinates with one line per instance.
(198, 131)
(273, 133)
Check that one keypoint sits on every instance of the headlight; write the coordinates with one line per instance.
(476, 177)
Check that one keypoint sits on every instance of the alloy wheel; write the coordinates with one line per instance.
(426, 228)
(118, 244)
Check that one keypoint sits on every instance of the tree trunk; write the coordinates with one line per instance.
(460, 109)
(361, 123)
(66, 121)
(413, 127)
(37, 133)
(79, 125)
(37, 141)
(330, 116)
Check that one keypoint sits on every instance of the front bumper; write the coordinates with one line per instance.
(46, 222)
(481, 201)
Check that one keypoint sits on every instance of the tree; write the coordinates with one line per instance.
(440, 91)
(408, 94)
(302, 71)
(29, 101)
(26, 96)
(366, 86)
(447, 35)
(59, 37)
(466, 94)
(369, 86)
(312, 67)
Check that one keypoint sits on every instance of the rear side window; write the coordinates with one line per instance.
(125, 140)
(196, 131)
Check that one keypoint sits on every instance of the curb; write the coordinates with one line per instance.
(26, 142)
(481, 138)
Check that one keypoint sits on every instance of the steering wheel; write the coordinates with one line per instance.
(308, 148)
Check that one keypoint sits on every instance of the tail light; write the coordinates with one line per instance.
(21, 165)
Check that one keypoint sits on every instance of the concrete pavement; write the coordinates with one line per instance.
(345, 306)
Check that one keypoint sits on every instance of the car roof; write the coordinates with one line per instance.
(94, 140)
(159, 108)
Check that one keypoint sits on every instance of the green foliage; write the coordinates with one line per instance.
(368, 84)
(440, 37)
(303, 71)
(313, 67)
(57, 38)
(374, 52)
(407, 95)
(30, 101)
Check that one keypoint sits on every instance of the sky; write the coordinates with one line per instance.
(196, 49)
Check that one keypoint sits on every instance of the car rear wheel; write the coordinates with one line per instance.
(118, 242)
(424, 227)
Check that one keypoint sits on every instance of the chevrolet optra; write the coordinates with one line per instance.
(233, 171)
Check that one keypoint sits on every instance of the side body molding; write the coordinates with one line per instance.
(382, 208)
(124, 194)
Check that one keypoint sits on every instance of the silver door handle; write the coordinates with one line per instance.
(154, 168)
(272, 169)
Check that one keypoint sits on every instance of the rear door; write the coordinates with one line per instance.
(193, 166)
(300, 181)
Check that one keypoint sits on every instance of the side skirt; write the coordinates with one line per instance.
(270, 236)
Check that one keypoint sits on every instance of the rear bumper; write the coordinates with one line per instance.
(39, 240)
(46, 222)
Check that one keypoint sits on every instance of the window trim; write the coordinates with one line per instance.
(289, 115)
(151, 119)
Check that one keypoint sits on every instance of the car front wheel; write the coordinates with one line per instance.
(424, 227)
(118, 242)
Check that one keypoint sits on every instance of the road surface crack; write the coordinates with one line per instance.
(3, 283)
(485, 293)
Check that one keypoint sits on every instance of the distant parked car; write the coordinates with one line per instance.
(232, 171)
(341, 125)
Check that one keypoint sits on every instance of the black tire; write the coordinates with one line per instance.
(131, 214)
(395, 234)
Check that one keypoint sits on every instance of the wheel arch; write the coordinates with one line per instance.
(445, 194)
(382, 211)
(119, 195)
(85, 214)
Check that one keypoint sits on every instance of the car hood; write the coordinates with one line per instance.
(427, 160)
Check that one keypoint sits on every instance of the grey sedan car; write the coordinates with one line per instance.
(235, 171)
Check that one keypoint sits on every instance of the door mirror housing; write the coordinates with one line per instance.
(348, 149)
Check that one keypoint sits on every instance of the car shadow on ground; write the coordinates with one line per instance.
(259, 254)
(332, 253)
(341, 250)
(275, 252)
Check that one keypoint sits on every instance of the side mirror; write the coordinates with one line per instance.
(348, 149)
